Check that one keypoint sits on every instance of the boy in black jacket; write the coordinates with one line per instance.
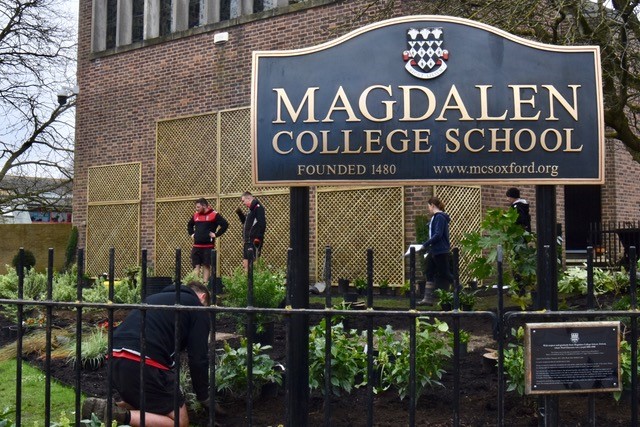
(254, 226)
(160, 355)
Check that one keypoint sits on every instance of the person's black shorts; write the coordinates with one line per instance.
(159, 385)
(200, 256)
(257, 249)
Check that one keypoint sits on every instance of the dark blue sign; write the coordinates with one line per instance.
(428, 99)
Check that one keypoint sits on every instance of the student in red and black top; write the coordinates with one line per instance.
(204, 227)
(160, 358)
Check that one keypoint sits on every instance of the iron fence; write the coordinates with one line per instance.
(611, 241)
(499, 320)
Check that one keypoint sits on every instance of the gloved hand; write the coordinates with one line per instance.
(257, 242)
(239, 210)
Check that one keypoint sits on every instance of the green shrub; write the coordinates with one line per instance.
(514, 362)
(72, 248)
(232, 373)
(433, 349)
(348, 358)
(28, 262)
(269, 289)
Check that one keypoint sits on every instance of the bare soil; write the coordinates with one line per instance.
(478, 392)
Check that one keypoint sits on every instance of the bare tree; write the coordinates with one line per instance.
(37, 59)
(612, 25)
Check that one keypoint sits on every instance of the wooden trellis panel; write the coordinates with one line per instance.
(276, 241)
(463, 204)
(113, 183)
(186, 157)
(171, 233)
(113, 217)
(112, 226)
(235, 154)
(353, 220)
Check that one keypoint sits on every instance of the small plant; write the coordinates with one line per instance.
(232, 374)
(445, 299)
(348, 358)
(383, 284)
(360, 284)
(433, 348)
(405, 288)
(467, 299)
(94, 350)
(514, 362)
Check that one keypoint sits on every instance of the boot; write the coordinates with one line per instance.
(427, 299)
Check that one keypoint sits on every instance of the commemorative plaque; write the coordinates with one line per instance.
(578, 357)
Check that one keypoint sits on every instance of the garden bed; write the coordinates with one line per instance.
(478, 391)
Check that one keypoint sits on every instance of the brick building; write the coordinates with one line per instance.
(162, 119)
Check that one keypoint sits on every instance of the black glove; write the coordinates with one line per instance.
(239, 210)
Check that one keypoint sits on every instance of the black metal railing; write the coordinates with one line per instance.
(498, 320)
(611, 241)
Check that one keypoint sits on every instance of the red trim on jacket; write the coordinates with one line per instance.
(124, 354)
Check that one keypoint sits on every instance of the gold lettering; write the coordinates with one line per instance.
(406, 105)
(568, 137)
(341, 97)
(405, 142)
(484, 105)
(388, 105)
(459, 105)
(370, 139)
(453, 140)
(419, 139)
(518, 101)
(506, 139)
(308, 98)
(467, 137)
(325, 144)
(532, 140)
(347, 142)
(274, 142)
(555, 94)
(314, 142)
(543, 140)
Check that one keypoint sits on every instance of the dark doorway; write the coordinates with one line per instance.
(583, 205)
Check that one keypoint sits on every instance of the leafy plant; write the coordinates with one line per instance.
(499, 228)
(269, 289)
(433, 348)
(405, 288)
(514, 362)
(348, 358)
(445, 298)
(383, 284)
(467, 298)
(232, 373)
(360, 284)
(625, 368)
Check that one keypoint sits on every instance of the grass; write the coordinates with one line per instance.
(33, 384)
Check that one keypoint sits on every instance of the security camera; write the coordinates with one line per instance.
(67, 92)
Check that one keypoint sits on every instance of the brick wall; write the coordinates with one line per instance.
(124, 94)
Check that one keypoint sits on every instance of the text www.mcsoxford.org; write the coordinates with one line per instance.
(510, 169)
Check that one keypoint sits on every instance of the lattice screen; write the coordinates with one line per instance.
(276, 241)
(113, 183)
(353, 220)
(113, 217)
(171, 233)
(112, 226)
(235, 154)
(463, 204)
(186, 157)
